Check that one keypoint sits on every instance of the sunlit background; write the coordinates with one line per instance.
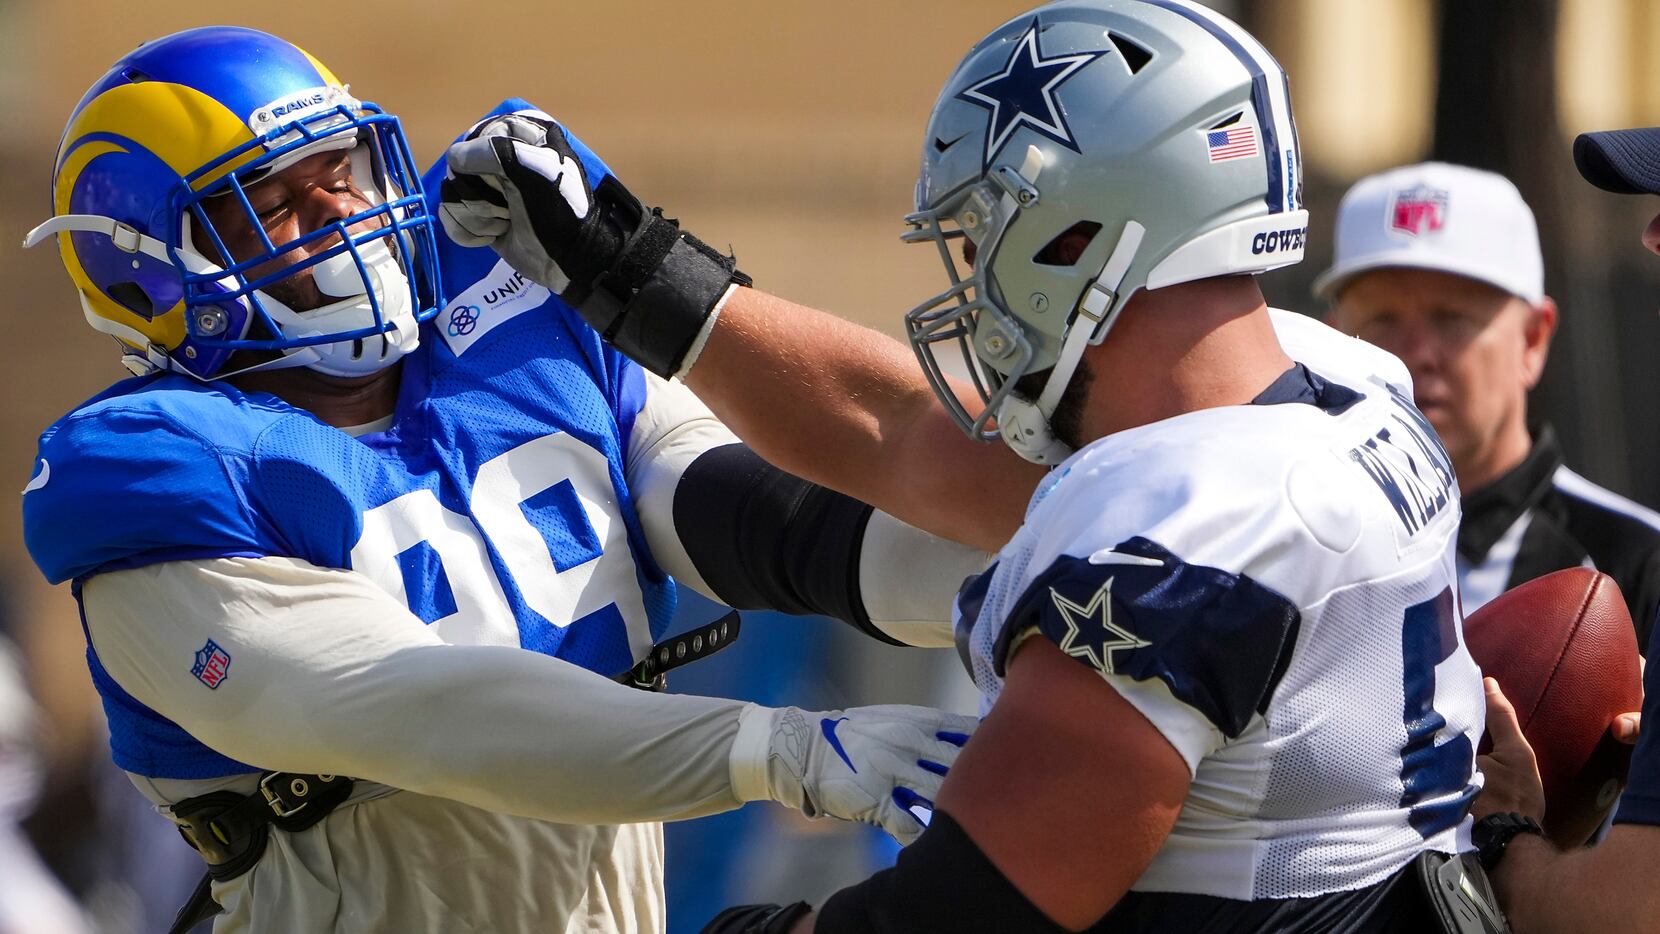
(788, 130)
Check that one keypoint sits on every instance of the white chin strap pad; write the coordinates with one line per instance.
(1025, 427)
(338, 277)
(1024, 424)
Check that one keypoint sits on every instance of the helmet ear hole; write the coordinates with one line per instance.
(133, 298)
(1068, 246)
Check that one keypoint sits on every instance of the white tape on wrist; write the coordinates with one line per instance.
(750, 750)
(703, 333)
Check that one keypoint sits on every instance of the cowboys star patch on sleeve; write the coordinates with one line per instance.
(1219, 641)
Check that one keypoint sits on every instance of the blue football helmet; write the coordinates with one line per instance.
(194, 119)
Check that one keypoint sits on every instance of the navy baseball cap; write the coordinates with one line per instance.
(1626, 162)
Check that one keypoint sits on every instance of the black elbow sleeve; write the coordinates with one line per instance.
(766, 539)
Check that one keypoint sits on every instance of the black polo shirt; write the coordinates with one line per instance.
(1542, 517)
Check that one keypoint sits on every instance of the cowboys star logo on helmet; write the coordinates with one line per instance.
(1023, 93)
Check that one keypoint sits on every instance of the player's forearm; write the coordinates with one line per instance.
(520, 733)
(820, 397)
(728, 524)
(328, 674)
(848, 407)
(1606, 888)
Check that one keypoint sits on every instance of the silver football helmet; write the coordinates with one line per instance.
(1158, 129)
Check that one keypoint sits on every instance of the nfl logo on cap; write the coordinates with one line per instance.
(1417, 210)
(1402, 219)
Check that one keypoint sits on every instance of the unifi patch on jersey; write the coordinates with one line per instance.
(1417, 211)
(503, 293)
(213, 665)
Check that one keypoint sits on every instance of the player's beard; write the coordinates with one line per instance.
(1067, 420)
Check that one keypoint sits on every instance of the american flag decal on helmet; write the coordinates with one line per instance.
(1235, 142)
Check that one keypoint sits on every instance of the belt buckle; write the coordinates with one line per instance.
(274, 800)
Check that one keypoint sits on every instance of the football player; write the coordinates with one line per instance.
(379, 506)
(1222, 652)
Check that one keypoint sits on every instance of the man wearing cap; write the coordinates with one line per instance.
(1609, 887)
(1439, 264)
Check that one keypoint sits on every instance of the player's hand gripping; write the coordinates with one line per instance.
(868, 764)
(1510, 771)
(519, 183)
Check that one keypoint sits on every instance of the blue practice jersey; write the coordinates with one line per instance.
(495, 505)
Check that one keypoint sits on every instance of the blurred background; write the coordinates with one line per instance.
(788, 130)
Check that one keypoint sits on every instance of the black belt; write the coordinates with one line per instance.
(230, 830)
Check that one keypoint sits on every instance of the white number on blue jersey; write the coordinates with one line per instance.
(555, 571)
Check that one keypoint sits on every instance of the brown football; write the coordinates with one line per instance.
(1564, 652)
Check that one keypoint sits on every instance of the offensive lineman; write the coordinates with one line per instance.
(318, 536)
(1222, 656)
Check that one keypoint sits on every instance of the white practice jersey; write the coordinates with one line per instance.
(1272, 586)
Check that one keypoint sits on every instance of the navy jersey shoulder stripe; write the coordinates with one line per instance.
(1282, 189)
(1220, 641)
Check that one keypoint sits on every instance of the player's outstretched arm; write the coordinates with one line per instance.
(1052, 812)
(835, 403)
(725, 522)
(329, 674)
(848, 407)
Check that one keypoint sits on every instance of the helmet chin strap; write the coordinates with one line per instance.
(1025, 424)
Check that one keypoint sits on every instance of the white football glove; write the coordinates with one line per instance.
(876, 765)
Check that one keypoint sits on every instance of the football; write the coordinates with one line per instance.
(1563, 650)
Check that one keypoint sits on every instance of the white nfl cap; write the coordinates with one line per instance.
(1438, 216)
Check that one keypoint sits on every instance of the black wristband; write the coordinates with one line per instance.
(660, 321)
(660, 289)
(1492, 835)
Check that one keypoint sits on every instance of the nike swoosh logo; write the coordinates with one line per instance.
(829, 727)
(40, 478)
(1119, 557)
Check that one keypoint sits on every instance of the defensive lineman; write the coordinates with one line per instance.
(1222, 652)
(317, 534)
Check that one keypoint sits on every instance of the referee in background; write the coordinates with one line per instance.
(1440, 265)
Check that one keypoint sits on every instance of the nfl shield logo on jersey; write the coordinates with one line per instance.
(1418, 210)
(213, 664)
